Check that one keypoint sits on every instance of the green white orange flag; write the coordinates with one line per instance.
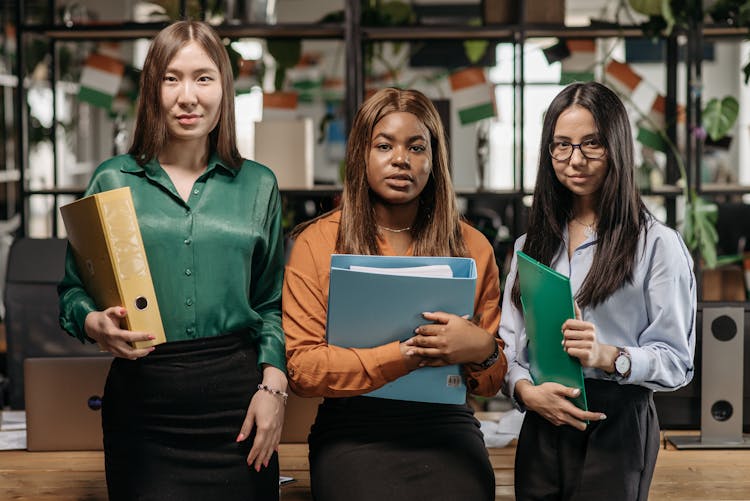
(648, 130)
(579, 65)
(472, 95)
(100, 80)
(621, 77)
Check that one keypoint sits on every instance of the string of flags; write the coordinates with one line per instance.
(578, 60)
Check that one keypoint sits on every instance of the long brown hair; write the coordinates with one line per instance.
(622, 214)
(150, 134)
(437, 229)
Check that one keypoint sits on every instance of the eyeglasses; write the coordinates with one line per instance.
(591, 149)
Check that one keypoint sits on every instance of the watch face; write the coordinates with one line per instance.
(622, 364)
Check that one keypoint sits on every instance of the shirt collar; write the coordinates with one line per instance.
(152, 168)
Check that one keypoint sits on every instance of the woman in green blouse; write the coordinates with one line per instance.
(200, 416)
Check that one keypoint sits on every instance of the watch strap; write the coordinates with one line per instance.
(490, 361)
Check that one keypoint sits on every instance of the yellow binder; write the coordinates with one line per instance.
(106, 241)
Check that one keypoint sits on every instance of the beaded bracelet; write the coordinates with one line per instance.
(284, 395)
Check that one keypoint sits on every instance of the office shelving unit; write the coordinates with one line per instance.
(356, 36)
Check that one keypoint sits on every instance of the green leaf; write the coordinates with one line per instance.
(699, 230)
(396, 13)
(647, 7)
(287, 53)
(746, 71)
(475, 49)
(719, 116)
(668, 15)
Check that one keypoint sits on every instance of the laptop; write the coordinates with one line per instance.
(63, 402)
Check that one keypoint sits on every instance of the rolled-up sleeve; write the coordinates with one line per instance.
(316, 368)
(663, 356)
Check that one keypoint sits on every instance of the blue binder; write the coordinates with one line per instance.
(371, 309)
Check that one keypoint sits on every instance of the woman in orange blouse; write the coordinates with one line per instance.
(397, 200)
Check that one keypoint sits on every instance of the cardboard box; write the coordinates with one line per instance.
(726, 283)
(537, 11)
(285, 146)
(106, 241)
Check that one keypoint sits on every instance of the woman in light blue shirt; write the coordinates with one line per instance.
(634, 331)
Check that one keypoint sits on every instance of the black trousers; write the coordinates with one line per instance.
(612, 459)
(170, 421)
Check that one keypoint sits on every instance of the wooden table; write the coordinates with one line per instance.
(716, 475)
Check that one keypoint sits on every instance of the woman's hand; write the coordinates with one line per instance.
(266, 414)
(450, 339)
(579, 341)
(551, 401)
(104, 328)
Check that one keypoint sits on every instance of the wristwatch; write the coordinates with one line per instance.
(622, 363)
(491, 359)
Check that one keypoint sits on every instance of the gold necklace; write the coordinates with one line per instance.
(394, 230)
(588, 229)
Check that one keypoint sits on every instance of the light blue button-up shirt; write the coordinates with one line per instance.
(653, 317)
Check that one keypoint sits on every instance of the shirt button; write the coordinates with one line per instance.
(188, 272)
(190, 331)
(187, 212)
(291, 371)
(188, 241)
(196, 191)
(189, 301)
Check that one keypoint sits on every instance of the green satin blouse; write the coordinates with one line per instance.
(216, 260)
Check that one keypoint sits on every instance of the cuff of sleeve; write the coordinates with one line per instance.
(272, 355)
(486, 382)
(516, 374)
(639, 365)
(74, 325)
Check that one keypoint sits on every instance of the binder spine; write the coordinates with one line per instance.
(130, 265)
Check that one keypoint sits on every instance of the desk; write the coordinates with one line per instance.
(719, 475)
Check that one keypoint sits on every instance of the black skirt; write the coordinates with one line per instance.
(372, 449)
(170, 420)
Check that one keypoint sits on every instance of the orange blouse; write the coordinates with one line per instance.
(316, 368)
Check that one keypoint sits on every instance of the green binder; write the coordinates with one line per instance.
(547, 303)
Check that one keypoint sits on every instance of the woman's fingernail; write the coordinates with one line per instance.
(576, 392)
(410, 353)
(602, 416)
(257, 468)
(240, 437)
(150, 337)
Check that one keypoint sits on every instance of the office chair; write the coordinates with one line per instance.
(35, 266)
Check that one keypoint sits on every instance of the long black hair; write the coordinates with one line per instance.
(621, 212)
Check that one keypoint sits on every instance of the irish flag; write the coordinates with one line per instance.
(100, 80)
(579, 65)
(621, 77)
(472, 95)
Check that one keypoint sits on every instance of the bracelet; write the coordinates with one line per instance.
(284, 395)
